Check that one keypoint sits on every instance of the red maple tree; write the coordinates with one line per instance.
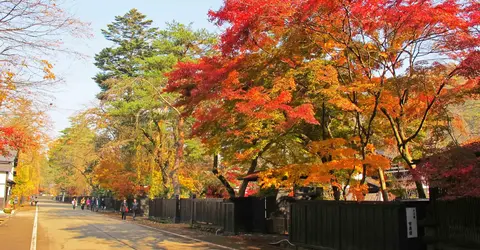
(455, 171)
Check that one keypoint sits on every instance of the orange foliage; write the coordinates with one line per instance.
(111, 175)
(359, 191)
(341, 161)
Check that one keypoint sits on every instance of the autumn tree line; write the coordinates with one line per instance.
(297, 93)
(31, 33)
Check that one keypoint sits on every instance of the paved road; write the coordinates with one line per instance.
(61, 227)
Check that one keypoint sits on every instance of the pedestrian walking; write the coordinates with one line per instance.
(124, 209)
(97, 204)
(74, 203)
(104, 206)
(92, 204)
(134, 208)
(88, 203)
(36, 200)
(82, 203)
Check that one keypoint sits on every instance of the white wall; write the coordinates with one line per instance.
(10, 174)
(2, 184)
(3, 180)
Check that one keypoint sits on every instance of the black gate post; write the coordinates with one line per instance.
(192, 209)
(177, 209)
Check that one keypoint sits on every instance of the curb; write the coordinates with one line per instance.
(6, 217)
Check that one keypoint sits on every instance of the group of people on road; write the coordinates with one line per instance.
(95, 203)
(33, 200)
(124, 209)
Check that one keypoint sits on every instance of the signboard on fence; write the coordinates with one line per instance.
(412, 230)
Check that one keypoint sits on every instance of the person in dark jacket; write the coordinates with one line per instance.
(134, 208)
(124, 209)
(82, 203)
(92, 204)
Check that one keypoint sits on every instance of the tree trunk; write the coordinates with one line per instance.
(251, 170)
(175, 182)
(221, 178)
(163, 172)
(383, 186)
(403, 143)
(164, 180)
(420, 190)
(336, 193)
(178, 156)
(409, 159)
(324, 122)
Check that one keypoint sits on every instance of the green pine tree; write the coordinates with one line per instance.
(132, 39)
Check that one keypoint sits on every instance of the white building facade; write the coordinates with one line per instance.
(7, 173)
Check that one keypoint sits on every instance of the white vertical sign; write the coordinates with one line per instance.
(412, 230)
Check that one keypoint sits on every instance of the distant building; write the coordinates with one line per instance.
(7, 173)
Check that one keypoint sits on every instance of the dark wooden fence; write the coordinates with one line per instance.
(215, 213)
(165, 209)
(456, 223)
(251, 213)
(209, 211)
(350, 225)
(234, 215)
(186, 210)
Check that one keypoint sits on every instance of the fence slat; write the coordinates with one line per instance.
(350, 225)
(458, 222)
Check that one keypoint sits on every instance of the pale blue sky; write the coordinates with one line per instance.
(79, 90)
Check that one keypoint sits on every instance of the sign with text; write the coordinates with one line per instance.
(412, 230)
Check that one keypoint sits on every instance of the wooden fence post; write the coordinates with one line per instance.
(177, 209)
(306, 222)
(192, 210)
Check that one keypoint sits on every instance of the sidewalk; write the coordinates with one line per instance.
(241, 241)
(4, 216)
(16, 229)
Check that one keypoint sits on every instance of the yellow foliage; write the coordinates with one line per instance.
(47, 69)
(285, 176)
(156, 187)
(283, 84)
(187, 182)
(383, 54)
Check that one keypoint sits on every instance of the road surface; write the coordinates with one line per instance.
(61, 227)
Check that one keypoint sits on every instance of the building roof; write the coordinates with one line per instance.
(9, 158)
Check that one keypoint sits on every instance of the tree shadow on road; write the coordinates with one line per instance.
(124, 234)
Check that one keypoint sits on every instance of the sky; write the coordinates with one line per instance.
(78, 90)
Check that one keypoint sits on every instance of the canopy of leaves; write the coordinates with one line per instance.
(456, 171)
(285, 66)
